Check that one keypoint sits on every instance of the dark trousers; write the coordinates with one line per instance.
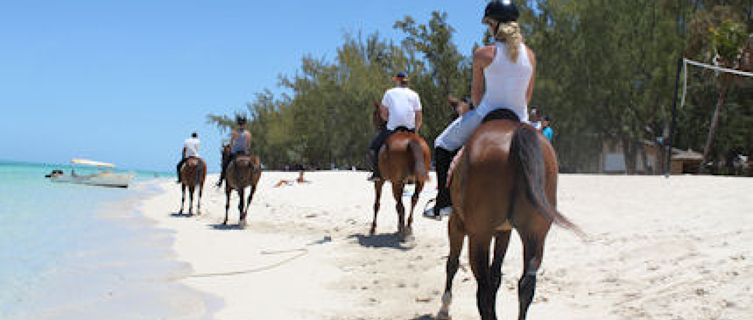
(180, 164)
(442, 160)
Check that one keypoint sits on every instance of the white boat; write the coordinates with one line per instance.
(104, 178)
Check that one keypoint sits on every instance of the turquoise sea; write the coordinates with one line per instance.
(81, 252)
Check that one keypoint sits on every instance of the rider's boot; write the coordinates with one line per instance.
(443, 204)
(374, 157)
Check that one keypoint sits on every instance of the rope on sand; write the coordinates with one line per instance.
(302, 252)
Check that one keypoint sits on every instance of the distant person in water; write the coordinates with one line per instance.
(240, 143)
(190, 149)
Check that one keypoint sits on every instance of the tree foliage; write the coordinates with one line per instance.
(606, 72)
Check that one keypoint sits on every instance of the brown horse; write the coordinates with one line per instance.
(243, 171)
(192, 175)
(505, 178)
(404, 158)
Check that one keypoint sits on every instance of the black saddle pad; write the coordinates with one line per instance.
(403, 129)
(501, 114)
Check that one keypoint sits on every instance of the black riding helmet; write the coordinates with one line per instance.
(502, 11)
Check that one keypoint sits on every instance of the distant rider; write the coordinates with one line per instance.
(401, 107)
(240, 143)
(190, 149)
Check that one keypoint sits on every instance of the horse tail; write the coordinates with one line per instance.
(418, 160)
(201, 173)
(527, 158)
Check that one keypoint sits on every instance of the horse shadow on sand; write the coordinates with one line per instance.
(383, 240)
(220, 226)
(182, 215)
(424, 317)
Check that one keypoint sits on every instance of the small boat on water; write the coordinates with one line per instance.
(104, 178)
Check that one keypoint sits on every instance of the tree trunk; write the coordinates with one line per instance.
(628, 149)
(714, 124)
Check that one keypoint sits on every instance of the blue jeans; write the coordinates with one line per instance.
(457, 133)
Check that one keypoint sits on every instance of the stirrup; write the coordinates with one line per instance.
(374, 177)
(431, 212)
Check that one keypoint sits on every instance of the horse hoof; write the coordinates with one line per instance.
(443, 315)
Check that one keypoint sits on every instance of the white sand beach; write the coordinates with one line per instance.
(678, 248)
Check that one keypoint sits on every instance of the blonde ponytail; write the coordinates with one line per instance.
(509, 33)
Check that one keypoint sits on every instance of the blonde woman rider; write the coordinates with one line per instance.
(503, 75)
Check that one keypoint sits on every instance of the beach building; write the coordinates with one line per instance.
(650, 159)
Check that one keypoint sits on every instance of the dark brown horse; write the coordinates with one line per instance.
(243, 171)
(192, 175)
(505, 178)
(404, 158)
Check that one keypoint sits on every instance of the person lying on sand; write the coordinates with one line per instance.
(285, 183)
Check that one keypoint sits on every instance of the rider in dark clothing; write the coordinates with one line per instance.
(240, 143)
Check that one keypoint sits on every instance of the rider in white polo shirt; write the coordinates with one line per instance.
(401, 107)
(190, 149)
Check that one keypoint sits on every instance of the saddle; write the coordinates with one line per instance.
(501, 114)
(403, 129)
(242, 158)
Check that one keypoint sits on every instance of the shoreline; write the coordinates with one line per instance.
(656, 249)
(114, 263)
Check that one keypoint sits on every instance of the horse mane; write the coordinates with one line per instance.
(376, 117)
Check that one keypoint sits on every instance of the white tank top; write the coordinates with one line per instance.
(507, 82)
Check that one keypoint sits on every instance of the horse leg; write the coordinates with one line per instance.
(501, 241)
(248, 202)
(183, 198)
(533, 251)
(413, 202)
(227, 203)
(397, 192)
(190, 201)
(378, 197)
(241, 203)
(479, 256)
(198, 201)
(457, 236)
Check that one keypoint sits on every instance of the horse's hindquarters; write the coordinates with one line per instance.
(405, 156)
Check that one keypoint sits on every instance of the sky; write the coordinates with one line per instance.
(128, 81)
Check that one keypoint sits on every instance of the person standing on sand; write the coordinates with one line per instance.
(190, 149)
(401, 108)
(547, 128)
